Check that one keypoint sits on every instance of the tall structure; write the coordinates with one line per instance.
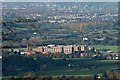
(27, 47)
(84, 48)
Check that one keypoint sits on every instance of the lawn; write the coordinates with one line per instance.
(113, 48)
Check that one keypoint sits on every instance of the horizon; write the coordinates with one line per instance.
(60, 1)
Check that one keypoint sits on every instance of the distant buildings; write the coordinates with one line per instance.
(67, 49)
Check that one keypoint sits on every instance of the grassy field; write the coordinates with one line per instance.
(113, 48)
(72, 58)
(91, 67)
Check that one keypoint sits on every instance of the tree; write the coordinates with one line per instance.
(104, 75)
(95, 77)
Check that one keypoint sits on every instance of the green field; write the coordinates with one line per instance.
(91, 67)
(113, 48)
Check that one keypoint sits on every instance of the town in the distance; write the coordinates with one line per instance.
(60, 41)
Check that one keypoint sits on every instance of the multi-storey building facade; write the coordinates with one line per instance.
(49, 49)
(82, 51)
(58, 49)
(68, 49)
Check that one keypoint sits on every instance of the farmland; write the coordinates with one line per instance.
(89, 68)
(41, 24)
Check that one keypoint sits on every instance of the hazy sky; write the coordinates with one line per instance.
(60, 0)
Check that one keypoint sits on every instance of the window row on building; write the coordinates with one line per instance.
(61, 49)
